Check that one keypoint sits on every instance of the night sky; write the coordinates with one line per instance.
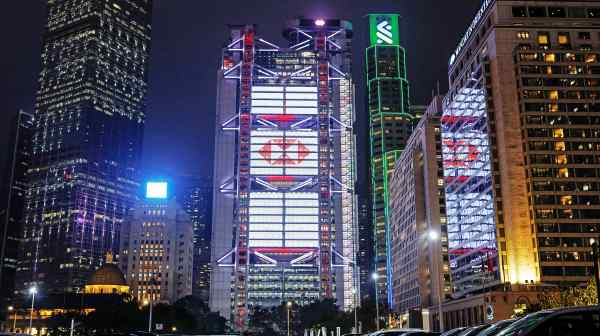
(187, 36)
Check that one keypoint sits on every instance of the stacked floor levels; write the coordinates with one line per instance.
(520, 128)
(284, 226)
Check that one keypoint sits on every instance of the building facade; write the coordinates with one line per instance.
(365, 247)
(284, 225)
(89, 116)
(419, 239)
(519, 129)
(158, 248)
(194, 194)
(13, 198)
(390, 122)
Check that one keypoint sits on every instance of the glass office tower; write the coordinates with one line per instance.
(194, 194)
(89, 117)
(390, 126)
(284, 225)
(13, 200)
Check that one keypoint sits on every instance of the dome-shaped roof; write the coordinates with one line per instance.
(108, 274)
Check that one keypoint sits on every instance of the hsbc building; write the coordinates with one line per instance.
(284, 225)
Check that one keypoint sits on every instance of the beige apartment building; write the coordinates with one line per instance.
(521, 152)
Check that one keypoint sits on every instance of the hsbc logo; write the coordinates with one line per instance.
(384, 32)
(288, 152)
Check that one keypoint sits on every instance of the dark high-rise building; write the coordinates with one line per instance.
(89, 117)
(391, 123)
(13, 196)
(194, 194)
(365, 247)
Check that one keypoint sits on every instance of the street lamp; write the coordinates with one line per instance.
(595, 251)
(32, 291)
(434, 236)
(375, 276)
(146, 302)
(11, 308)
(151, 303)
(289, 307)
(355, 313)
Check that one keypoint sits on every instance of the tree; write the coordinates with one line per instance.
(367, 314)
(115, 315)
(570, 296)
(192, 315)
(261, 321)
(324, 313)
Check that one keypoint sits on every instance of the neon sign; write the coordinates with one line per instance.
(156, 190)
(384, 29)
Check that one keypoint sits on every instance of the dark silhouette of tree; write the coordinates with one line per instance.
(262, 321)
(115, 316)
(324, 313)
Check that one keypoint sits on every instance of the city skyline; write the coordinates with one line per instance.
(88, 124)
(189, 95)
(325, 156)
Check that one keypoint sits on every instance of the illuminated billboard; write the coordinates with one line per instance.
(156, 190)
(281, 152)
(383, 29)
(284, 219)
(472, 244)
(297, 100)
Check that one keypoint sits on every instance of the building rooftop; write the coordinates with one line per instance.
(108, 274)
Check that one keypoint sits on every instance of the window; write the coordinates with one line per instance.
(584, 36)
(558, 12)
(563, 39)
(576, 12)
(593, 12)
(523, 35)
(543, 38)
(563, 172)
(566, 200)
(537, 11)
(519, 11)
(591, 58)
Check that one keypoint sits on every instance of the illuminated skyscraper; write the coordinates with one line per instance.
(519, 133)
(419, 244)
(284, 225)
(13, 199)
(390, 126)
(89, 117)
(194, 195)
(158, 247)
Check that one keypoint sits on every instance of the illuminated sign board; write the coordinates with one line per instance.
(284, 152)
(469, 32)
(383, 29)
(156, 190)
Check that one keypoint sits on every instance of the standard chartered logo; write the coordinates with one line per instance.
(384, 32)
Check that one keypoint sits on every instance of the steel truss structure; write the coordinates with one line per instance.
(293, 200)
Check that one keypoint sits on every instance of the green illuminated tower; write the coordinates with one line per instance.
(390, 126)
